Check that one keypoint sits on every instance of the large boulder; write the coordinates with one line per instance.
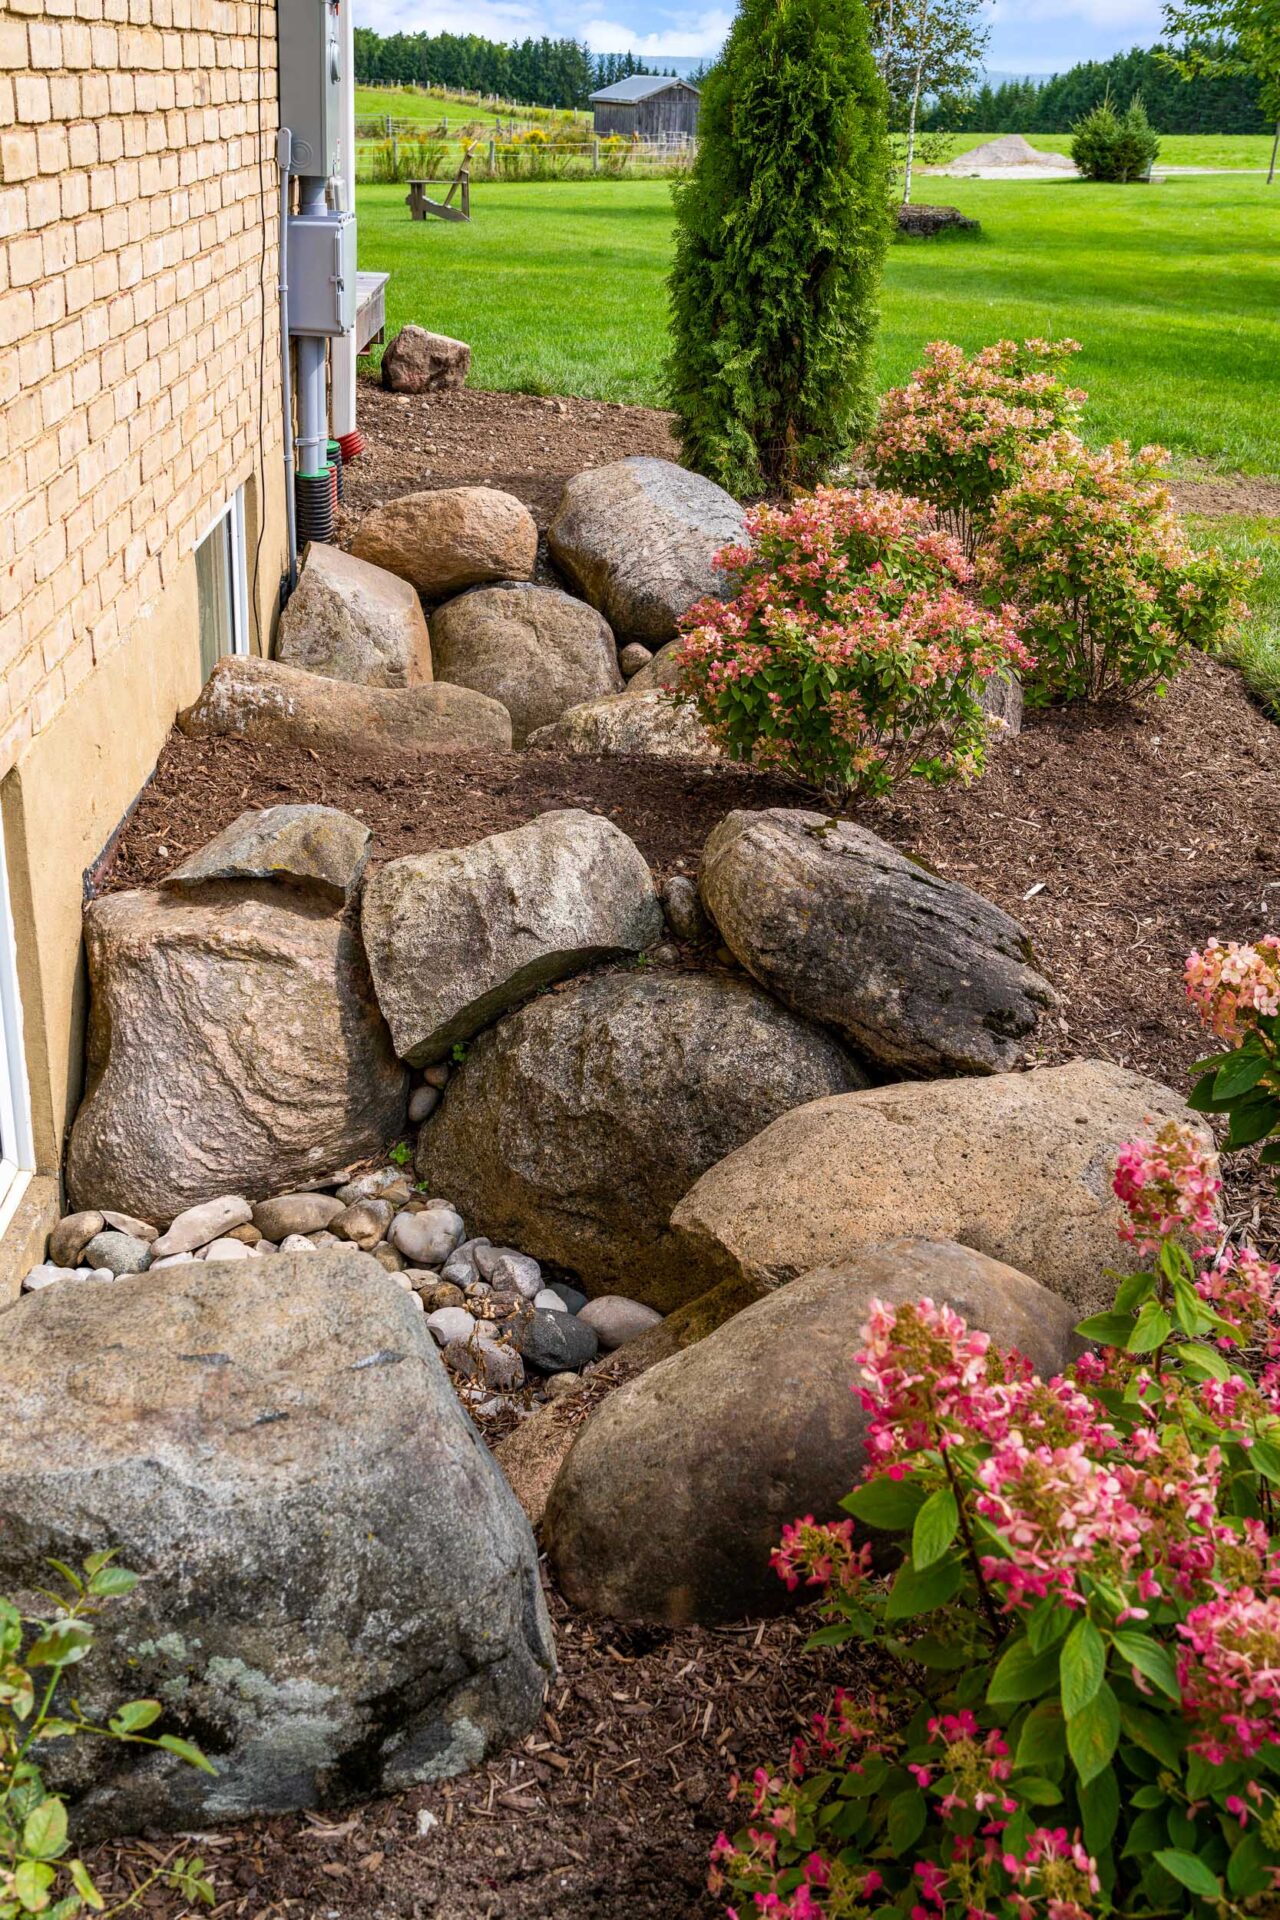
(274, 705)
(676, 1489)
(1017, 1166)
(339, 1593)
(920, 974)
(637, 539)
(574, 1126)
(449, 538)
(458, 936)
(537, 650)
(649, 724)
(319, 848)
(235, 1046)
(416, 361)
(352, 621)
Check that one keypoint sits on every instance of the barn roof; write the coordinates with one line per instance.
(641, 85)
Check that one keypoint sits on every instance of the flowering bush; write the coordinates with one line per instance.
(849, 653)
(1111, 592)
(957, 434)
(1082, 1640)
(1236, 990)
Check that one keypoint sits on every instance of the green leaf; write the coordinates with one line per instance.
(1264, 1458)
(916, 1592)
(1043, 1740)
(931, 1651)
(935, 1528)
(1083, 1664)
(1022, 1675)
(1100, 1811)
(72, 1579)
(134, 1715)
(1242, 1071)
(1202, 1360)
(1133, 1290)
(1093, 1734)
(44, 1831)
(906, 1820)
(82, 1880)
(185, 1750)
(61, 1644)
(1270, 1154)
(891, 1505)
(1201, 1098)
(112, 1582)
(1252, 1122)
(1152, 1330)
(1151, 1659)
(1145, 1833)
(1108, 1329)
(1034, 1791)
(1047, 1622)
(31, 1884)
(1190, 1872)
(1153, 1733)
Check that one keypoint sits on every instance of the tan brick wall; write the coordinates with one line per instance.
(137, 185)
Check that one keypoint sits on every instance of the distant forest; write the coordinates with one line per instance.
(1173, 105)
(533, 73)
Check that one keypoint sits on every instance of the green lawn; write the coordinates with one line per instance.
(428, 109)
(1174, 290)
(1176, 149)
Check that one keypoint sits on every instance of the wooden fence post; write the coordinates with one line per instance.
(493, 154)
(595, 156)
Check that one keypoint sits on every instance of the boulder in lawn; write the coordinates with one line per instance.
(920, 974)
(535, 649)
(637, 539)
(575, 1125)
(1016, 1165)
(416, 361)
(458, 936)
(353, 621)
(678, 1486)
(234, 1046)
(273, 705)
(648, 724)
(339, 1593)
(448, 538)
(315, 847)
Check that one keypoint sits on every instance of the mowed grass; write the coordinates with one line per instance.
(1256, 650)
(428, 109)
(1176, 149)
(1173, 289)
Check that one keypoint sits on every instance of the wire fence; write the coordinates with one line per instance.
(417, 156)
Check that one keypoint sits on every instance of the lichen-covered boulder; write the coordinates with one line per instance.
(235, 1046)
(272, 704)
(339, 1593)
(920, 974)
(535, 649)
(448, 538)
(319, 848)
(575, 1125)
(669, 1501)
(457, 936)
(353, 621)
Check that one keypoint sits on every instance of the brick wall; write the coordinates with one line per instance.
(132, 290)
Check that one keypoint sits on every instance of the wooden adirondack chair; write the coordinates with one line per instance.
(420, 207)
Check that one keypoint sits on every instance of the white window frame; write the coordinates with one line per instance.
(17, 1142)
(238, 555)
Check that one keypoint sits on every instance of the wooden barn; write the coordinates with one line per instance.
(648, 106)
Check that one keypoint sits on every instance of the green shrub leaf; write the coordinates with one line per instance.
(1190, 1872)
(1022, 1675)
(1083, 1663)
(1094, 1733)
(935, 1528)
(891, 1505)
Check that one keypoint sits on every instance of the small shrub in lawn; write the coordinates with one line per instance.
(1112, 593)
(1112, 146)
(1081, 1642)
(38, 1873)
(957, 432)
(850, 653)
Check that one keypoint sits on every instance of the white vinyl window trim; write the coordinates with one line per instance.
(17, 1145)
(223, 583)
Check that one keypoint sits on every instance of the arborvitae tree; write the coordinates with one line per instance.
(781, 231)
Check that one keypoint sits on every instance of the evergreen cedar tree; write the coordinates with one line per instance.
(781, 231)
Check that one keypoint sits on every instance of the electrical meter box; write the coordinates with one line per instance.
(321, 269)
(310, 34)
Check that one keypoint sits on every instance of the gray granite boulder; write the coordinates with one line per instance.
(339, 1593)
(353, 621)
(458, 936)
(637, 538)
(921, 975)
(306, 846)
(535, 649)
(650, 724)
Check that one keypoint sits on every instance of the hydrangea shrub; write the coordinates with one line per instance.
(849, 652)
(957, 433)
(1112, 594)
(1235, 988)
(1080, 1648)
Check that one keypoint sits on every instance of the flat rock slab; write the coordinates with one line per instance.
(458, 936)
(271, 704)
(667, 1505)
(417, 361)
(340, 1594)
(316, 847)
(650, 724)
(637, 539)
(1018, 1166)
(921, 975)
(575, 1125)
(535, 649)
(448, 538)
(233, 1038)
(353, 621)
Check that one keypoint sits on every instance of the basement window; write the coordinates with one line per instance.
(222, 585)
(17, 1151)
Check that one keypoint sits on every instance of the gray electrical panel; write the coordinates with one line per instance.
(310, 54)
(322, 273)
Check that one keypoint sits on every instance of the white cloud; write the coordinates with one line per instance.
(494, 19)
(689, 36)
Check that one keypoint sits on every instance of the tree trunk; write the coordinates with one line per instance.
(1271, 170)
(911, 131)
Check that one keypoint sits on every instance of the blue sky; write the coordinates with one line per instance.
(1027, 36)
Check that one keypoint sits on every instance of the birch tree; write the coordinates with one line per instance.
(927, 47)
